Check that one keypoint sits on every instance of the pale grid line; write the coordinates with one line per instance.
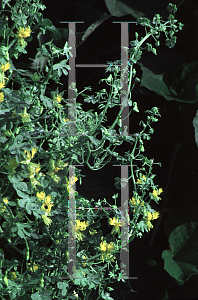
(72, 131)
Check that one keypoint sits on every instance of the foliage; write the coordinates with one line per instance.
(181, 260)
(34, 196)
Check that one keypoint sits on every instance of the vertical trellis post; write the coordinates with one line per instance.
(124, 256)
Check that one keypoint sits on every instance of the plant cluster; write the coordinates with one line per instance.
(35, 182)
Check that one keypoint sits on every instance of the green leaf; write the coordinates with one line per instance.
(22, 202)
(22, 195)
(21, 185)
(17, 184)
(171, 266)
(44, 24)
(154, 82)
(195, 124)
(181, 262)
(41, 296)
(106, 296)
(44, 182)
(18, 139)
(12, 203)
(61, 66)
(21, 230)
(169, 76)
(110, 288)
(94, 140)
(63, 286)
(119, 9)
(31, 207)
(172, 8)
(46, 101)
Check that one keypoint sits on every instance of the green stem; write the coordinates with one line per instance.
(139, 45)
(13, 246)
(103, 114)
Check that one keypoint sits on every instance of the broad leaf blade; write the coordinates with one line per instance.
(181, 262)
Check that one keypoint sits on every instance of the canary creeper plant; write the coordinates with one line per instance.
(35, 182)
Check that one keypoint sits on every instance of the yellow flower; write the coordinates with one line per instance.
(58, 98)
(105, 247)
(48, 198)
(5, 67)
(35, 267)
(149, 216)
(155, 193)
(149, 224)
(71, 182)
(134, 202)
(13, 275)
(25, 116)
(155, 215)
(37, 168)
(34, 151)
(2, 85)
(23, 32)
(65, 120)
(110, 246)
(116, 225)
(29, 156)
(3, 207)
(60, 165)
(57, 169)
(5, 200)
(41, 195)
(55, 177)
(92, 231)
(34, 182)
(46, 206)
(81, 225)
(114, 222)
(46, 220)
(84, 264)
(1, 97)
(32, 168)
(152, 216)
(139, 181)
